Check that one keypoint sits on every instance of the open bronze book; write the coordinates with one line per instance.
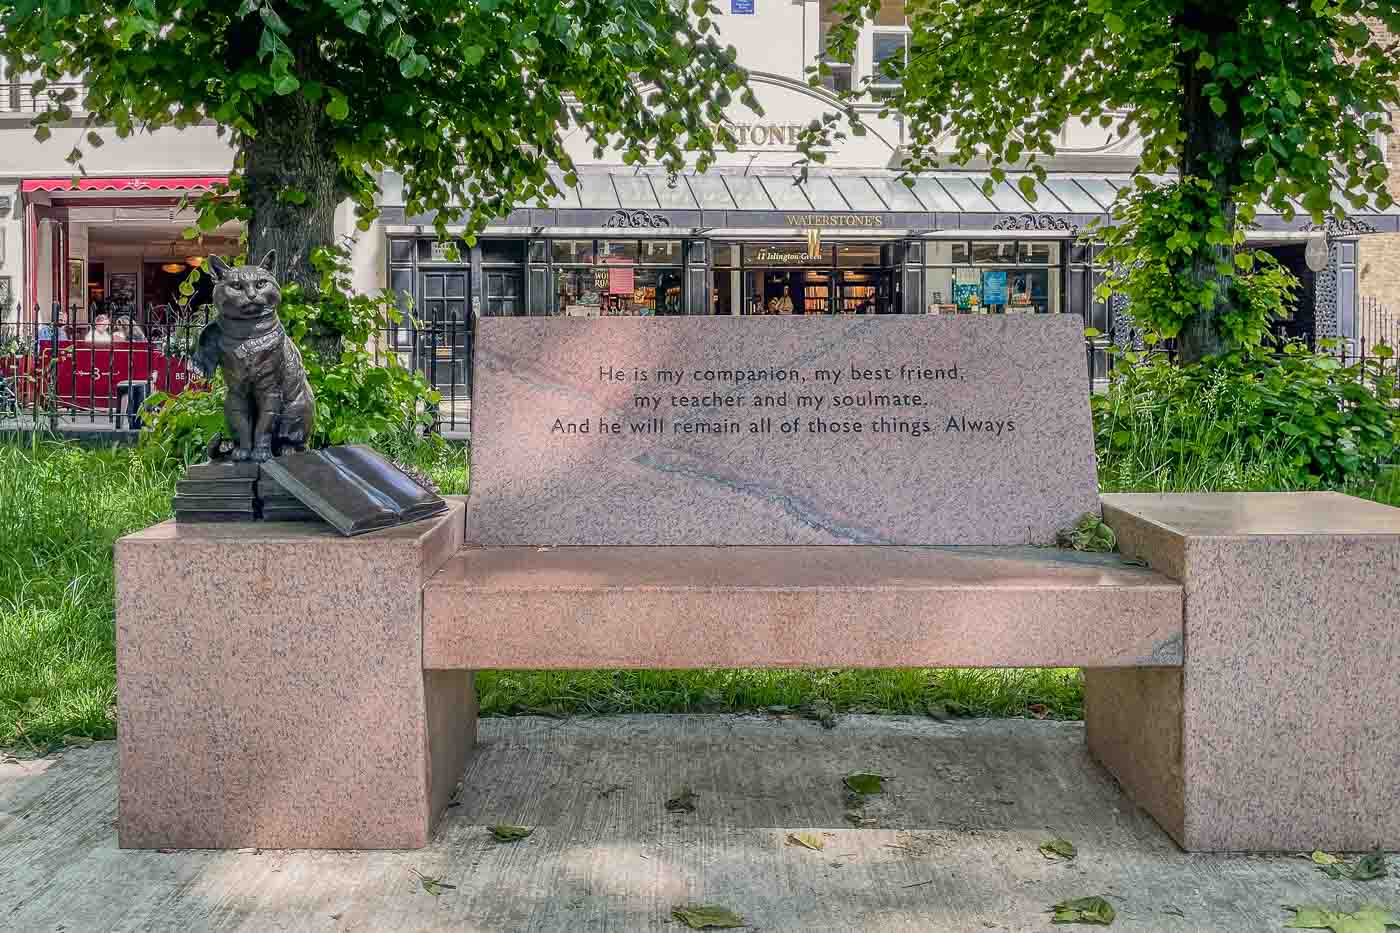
(354, 488)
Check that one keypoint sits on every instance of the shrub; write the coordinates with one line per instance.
(359, 395)
(1251, 418)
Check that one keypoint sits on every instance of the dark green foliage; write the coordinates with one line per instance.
(1288, 419)
(359, 396)
(471, 99)
(1259, 102)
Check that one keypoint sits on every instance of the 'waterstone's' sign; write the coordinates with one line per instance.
(783, 430)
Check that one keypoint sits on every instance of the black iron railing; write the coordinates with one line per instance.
(93, 369)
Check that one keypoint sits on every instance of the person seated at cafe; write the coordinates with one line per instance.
(101, 331)
(128, 330)
(46, 328)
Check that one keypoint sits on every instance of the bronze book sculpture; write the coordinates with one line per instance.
(269, 407)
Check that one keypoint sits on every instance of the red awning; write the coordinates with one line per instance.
(187, 183)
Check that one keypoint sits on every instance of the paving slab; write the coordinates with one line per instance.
(953, 848)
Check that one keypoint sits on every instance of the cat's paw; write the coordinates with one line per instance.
(242, 454)
(262, 453)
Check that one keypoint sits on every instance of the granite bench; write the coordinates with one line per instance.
(1234, 649)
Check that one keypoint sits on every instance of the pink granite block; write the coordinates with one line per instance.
(995, 445)
(694, 607)
(271, 689)
(1283, 736)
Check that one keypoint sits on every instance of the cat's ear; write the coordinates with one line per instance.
(218, 268)
(269, 262)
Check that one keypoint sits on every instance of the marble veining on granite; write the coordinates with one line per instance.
(549, 469)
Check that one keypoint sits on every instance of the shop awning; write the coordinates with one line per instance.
(853, 201)
(135, 183)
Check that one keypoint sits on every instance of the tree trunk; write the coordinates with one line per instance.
(292, 152)
(1211, 150)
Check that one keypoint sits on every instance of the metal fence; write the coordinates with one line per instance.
(72, 370)
(97, 373)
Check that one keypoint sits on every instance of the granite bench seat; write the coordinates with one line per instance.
(777, 606)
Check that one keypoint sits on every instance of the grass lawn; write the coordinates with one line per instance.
(62, 507)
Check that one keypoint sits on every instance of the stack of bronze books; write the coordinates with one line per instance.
(225, 491)
(277, 504)
(218, 492)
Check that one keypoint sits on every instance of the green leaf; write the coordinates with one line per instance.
(506, 833)
(360, 21)
(865, 782)
(285, 85)
(434, 886)
(1093, 910)
(683, 802)
(806, 840)
(707, 917)
(1322, 858)
(338, 107)
(1058, 849)
(472, 55)
(1218, 106)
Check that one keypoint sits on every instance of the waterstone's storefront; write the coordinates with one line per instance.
(763, 244)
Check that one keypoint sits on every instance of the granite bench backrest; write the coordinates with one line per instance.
(890, 430)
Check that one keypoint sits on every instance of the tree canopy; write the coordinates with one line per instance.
(1245, 102)
(470, 99)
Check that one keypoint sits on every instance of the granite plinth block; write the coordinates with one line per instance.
(880, 430)
(696, 607)
(271, 689)
(1280, 733)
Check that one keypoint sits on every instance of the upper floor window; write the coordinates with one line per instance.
(842, 76)
(888, 46)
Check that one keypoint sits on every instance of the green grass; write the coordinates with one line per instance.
(62, 507)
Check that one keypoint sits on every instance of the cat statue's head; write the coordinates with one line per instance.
(245, 293)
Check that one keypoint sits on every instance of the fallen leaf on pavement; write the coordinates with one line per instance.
(806, 840)
(1367, 868)
(1058, 849)
(77, 741)
(434, 886)
(1370, 918)
(684, 802)
(1323, 858)
(866, 782)
(1084, 910)
(707, 917)
(506, 833)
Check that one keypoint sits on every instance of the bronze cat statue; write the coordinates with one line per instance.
(269, 408)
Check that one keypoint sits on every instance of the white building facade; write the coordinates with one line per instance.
(743, 238)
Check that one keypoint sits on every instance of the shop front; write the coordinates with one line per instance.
(622, 245)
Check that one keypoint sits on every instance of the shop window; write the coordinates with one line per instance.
(401, 250)
(1000, 277)
(625, 291)
(573, 252)
(539, 251)
(1040, 253)
(661, 252)
(726, 254)
(997, 253)
(617, 251)
(502, 252)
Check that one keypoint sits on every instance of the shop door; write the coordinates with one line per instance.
(505, 290)
(445, 337)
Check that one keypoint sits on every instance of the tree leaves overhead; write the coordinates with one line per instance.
(471, 99)
(997, 81)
